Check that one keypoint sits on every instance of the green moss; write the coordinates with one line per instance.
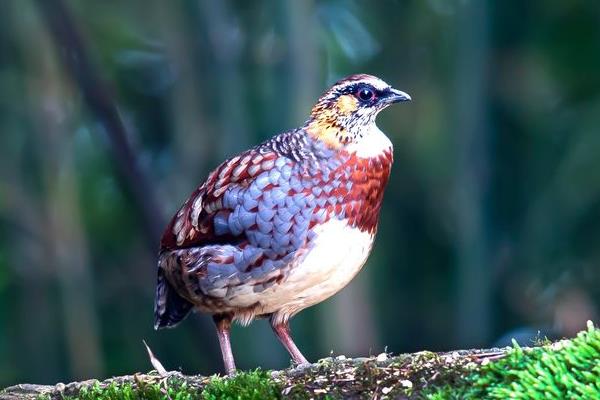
(253, 385)
(127, 391)
(569, 369)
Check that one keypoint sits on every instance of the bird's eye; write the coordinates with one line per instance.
(365, 94)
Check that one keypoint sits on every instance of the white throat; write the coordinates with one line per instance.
(372, 143)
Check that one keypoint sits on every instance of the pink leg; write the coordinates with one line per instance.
(223, 323)
(283, 333)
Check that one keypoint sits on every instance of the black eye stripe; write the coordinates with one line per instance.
(361, 90)
(351, 89)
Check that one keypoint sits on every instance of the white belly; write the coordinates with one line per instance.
(337, 254)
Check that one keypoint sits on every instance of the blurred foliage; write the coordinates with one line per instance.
(491, 221)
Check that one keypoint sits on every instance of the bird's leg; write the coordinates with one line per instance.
(282, 330)
(223, 323)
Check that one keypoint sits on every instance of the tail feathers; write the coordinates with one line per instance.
(169, 308)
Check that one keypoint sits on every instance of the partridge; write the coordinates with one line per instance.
(284, 225)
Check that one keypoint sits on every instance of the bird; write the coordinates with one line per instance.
(284, 225)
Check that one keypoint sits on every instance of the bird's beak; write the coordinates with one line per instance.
(395, 96)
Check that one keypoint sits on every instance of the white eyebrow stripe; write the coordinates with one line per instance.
(378, 84)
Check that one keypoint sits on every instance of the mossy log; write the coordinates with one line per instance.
(568, 369)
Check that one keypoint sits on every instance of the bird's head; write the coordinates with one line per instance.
(346, 112)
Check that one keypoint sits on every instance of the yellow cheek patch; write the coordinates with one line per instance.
(346, 104)
(326, 118)
(332, 136)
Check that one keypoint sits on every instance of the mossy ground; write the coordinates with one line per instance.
(569, 369)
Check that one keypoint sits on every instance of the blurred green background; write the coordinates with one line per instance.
(491, 222)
